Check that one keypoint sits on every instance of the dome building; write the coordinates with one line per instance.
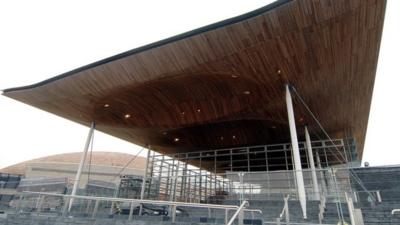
(101, 166)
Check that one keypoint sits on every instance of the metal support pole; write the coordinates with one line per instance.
(200, 180)
(241, 198)
(350, 207)
(266, 158)
(81, 164)
(378, 196)
(321, 173)
(226, 216)
(65, 207)
(184, 185)
(296, 154)
(294, 172)
(160, 173)
(193, 192)
(176, 180)
(173, 213)
(19, 205)
(144, 180)
(96, 207)
(312, 164)
(151, 175)
(326, 157)
(230, 156)
(241, 217)
(89, 202)
(338, 202)
(111, 213)
(287, 215)
(318, 160)
(167, 185)
(131, 211)
(215, 173)
(40, 203)
(248, 159)
(189, 190)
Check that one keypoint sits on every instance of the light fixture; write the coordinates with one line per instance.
(127, 116)
(279, 71)
(246, 92)
(233, 137)
(106, 105)
(183, 113)
(222, 138)
(198, 110)
(176, 139)
(273, 127)
(234, 76)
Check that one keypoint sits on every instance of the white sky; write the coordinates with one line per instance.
(41, 39)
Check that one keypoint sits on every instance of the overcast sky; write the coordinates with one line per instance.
(41, 39)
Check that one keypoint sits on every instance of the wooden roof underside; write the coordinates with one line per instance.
(219, 86)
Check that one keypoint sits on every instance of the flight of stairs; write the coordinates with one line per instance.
(387, 180)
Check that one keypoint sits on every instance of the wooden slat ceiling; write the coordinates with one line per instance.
(223, 85)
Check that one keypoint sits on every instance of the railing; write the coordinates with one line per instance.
(41, 199)
(322, 207)
(395, 211)
(239, 214)
(261, 185)
(177, 179)
(285, 212)
(294, 223)
(376, 195)
(350, 207)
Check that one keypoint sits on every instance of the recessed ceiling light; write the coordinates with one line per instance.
(127, 116)
(279, 71)
(233, 137)
(176, 139)
(198, 110)
(182, 113)
(106, 105)
(246, 92)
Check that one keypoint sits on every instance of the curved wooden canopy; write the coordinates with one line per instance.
(223, 85)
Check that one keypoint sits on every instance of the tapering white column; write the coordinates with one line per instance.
(81, 164)
(312, 165)
(296, 153)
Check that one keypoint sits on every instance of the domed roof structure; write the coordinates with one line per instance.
(116, 159)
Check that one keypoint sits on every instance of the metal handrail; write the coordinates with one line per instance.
(350, 207)
(141, 201)
(285, 210)
(322, 207)
(238, 211)
(378, 197)
(295, 223)
(395, 210)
